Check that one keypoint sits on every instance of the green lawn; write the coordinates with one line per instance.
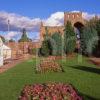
(83, 76)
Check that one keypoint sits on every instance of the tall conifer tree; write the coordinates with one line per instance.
(69, 38)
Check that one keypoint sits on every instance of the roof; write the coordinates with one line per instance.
(6, 47)
(3, 39)
(1, 42)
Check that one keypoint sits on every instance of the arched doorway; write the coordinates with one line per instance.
(78, 26)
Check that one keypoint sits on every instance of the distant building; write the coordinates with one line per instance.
(1, 52)
(5, 52)
(20, 48)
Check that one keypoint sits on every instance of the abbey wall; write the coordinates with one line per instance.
(75, 18)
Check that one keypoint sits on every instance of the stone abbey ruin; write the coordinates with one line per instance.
(75, 18)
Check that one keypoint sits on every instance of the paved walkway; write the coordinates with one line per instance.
(13, 63)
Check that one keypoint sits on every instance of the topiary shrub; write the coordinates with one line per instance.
(44, 50)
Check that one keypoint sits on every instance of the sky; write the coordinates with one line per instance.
(29, 13)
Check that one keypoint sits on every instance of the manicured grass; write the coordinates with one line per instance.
(85, 77)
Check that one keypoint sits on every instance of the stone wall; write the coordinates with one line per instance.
(18, 49)
(51, 30)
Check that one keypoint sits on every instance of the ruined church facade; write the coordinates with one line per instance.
(75, 18)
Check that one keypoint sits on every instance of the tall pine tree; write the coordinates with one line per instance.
(45, 48)
(69, 38)
(58, 43)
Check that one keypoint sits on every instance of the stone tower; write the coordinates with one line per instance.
(73, 17)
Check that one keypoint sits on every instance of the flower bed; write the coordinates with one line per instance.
(49, 65)
(50, 91)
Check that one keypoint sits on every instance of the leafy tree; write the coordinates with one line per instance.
(97, 50)
(89, 39)
(95, 22)
(69, 38)
(57, 45)
(24, 37)
(98, 26)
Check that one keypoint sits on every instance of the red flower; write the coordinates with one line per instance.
(51, 91)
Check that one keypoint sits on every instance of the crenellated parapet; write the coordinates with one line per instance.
(73, 17)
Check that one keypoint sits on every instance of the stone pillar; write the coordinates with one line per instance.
(1, 52)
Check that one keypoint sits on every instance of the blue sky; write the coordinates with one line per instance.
(31, 12)
(43, 8)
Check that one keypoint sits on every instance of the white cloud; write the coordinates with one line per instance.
(75, 11)
(11, 34)
(87, 15)
(17, 22)
(56, 19)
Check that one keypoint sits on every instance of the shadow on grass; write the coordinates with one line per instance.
(87, 97)
(86, 68)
